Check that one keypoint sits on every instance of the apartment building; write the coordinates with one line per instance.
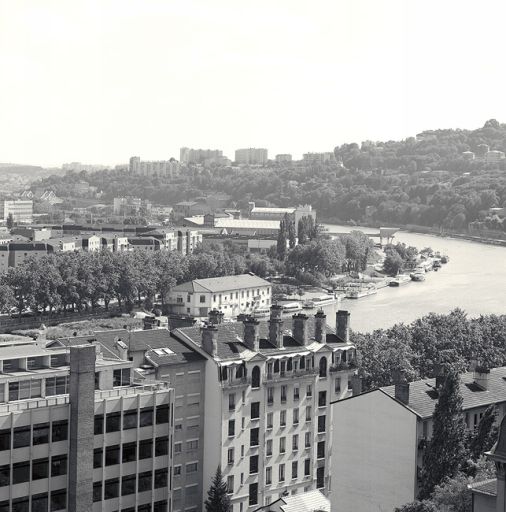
(77, 434)
(319, 158)
(156, 355)
(379, 437)
(251, 156)
(199, 156)
(21, 210)
(168, 168)
(267, 406)
(295, 213)
(283, 158)
(231, 295)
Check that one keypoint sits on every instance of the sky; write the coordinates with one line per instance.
(97, 81)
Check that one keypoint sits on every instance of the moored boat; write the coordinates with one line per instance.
(418, 276)
(291, 307)
(400, 280)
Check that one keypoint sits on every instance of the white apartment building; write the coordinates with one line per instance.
(76, 435)
(168, 168)
(267, 408)
(379, 437)
(231, 295)
(253, 156)
(319, 158)
(21, 210)
(285, 157)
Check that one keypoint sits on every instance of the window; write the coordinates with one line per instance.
(60, 430)
(255, 377)
(337, 385)
(231, 402)
(40, 433)
(146, 417)
(39, 502)
(130, 419)
(161, 478)
(307, 467)
(254, 436)
(282, 418)
(40, 469)
(121, 377)
(160, 506)
(283, 394)
(97, 457)
(323, 367)
(270, 396)
(230, 456)
(202, 299)
(128, 485)
(112, 455)
(177, 470)
(296, 416)
(5, 475)
(162, 446)
(162, 414)
(145, 449)
(21, 504)
(268, 476)
(295, 442)
(5, 439)
(295, 467)
(322, 399)
(113, 422)
(281, 472)
(178, 447)
(111, 488)
(296, 395)
(57, 385)
(308, 413)
(309, 390)
(129, 453)
(230, 484)
(58, 499)
(269, 420)
(350, 384)
(253, 494)
(321, 423)
(282, 444)
(255, 410)
(253, 464)
(22, 437)
(145, 481)
(231, 428)
(320, 450)
(99, 424)
(307, 439)
(320, 477)
(242, 450)
(268, 447)
(20, 472)
(58, 465)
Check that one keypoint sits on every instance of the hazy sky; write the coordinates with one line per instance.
(99, 81)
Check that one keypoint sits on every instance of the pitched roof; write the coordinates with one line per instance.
(423, 399)
(221, 284)
(487, 487)
(306, 502)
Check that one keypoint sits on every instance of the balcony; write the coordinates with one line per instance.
(343, 366)
(236, 382)
(291, 374)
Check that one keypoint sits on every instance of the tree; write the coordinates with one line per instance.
(393, 263)
(445, 452)
(10, 221)
(418, 506)
(281, 243)
(7, 299)
(217, 496)
(292, 237)
(486, 435)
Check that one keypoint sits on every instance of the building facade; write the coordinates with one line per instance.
(200, 156)
(21, 210)
(319, 158)
(168, 168)
(251, 156)
(267, 407)
(283, 158)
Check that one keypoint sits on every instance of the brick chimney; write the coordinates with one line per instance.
(343, 325)
(276, 326)
(356, 385)
(210, 339)
(215, 317)
(300, 328)
(320, 324)
(481, 376)
(251, 333)
(401, 387)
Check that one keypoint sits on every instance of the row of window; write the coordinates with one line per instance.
(283, 393)
(132, 418)
(191, 445)
(158, 506)
(56, 500)
(129, 483)
(191, 467)
(130, 452)
(40, 433)
(21, 472)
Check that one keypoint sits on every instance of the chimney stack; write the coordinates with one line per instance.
(356, 385)
(401, 387)
(320, 323)
(276, 326)
(343, 325)
(215, 317)
(252, 333)
(481, 376)
(210, 339)
(300, 328)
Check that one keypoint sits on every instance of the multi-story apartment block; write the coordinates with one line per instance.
(231, 295)
(155, 354)
(77, 435)
(253, 156)
(379, 437)
(21, 210)
(319, 158)
(15, 253)
(285, 157)
(267, 406)
(199, 156)
(168, 168)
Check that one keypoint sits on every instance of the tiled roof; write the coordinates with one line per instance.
(487, 487)
(422, 401)
(306, 502)
(221, 284)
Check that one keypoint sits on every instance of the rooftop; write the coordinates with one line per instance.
(486, 487)
(258, 209)
(305, 502)
(246, 223)
(222, 284)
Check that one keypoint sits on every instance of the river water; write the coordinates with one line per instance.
(473, 280)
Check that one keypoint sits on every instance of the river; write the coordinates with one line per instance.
(473, 280)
